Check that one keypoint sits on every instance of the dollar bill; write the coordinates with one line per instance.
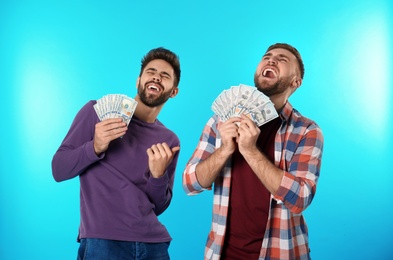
(115, 106)
(246, 100)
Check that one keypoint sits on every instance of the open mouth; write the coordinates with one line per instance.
(269, 73)
(153, 88)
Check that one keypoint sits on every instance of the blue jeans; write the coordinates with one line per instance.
(103, 249)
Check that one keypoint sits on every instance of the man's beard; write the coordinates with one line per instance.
(150, 100)
(269, 90)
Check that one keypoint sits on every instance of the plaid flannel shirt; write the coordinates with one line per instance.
(298, 151)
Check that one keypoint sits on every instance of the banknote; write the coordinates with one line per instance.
(115, 106)
(246, 100)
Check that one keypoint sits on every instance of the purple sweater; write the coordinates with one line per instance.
(119, 199)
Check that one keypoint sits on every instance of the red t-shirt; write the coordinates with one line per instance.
(249, 202)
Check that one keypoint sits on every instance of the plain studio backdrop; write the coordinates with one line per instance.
(57, 55)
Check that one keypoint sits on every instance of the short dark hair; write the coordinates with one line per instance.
(293, 50)
(166, 55)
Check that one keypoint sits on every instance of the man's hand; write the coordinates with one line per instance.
(107, 131)
(229, 134)
(269, 174)
(160, 156)
(248, 135)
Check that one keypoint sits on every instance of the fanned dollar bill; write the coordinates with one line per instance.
(245, 100)
(115, 106)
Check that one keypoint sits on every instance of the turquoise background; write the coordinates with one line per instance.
(57, 55)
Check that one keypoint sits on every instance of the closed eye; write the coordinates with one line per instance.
(283, 58)
(151, 71)
(266, 56)
(165, 75)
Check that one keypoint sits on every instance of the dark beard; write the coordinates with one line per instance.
(151, 101)
(269, 90)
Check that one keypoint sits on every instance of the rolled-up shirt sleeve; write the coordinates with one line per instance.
(301, 170)
(208, 143)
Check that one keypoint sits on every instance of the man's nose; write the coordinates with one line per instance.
(157, 77)
(272, 61)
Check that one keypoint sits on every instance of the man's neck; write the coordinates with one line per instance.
(146, 113)
(279, 103)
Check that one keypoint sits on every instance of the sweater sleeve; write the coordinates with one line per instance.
(76, 152)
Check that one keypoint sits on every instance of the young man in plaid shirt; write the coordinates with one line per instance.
(264, 177)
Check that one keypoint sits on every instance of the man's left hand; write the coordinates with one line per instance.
(160, 156)
(248, 135)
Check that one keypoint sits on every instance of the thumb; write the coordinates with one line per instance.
(175, 149)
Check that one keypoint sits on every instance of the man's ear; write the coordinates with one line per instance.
(137, 82)
(297, 81)
(174, 92)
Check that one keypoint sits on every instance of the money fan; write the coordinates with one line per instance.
(115, 106)
(245, 100)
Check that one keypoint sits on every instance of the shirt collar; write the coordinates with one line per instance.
(286, 111)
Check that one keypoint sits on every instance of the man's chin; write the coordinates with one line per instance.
(154, 101)
(264, 88)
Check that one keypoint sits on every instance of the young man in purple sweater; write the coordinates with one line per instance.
(126, 173)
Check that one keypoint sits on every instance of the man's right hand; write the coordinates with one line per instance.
(229, 134)
(107, 131)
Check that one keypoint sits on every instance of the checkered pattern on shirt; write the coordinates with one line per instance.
(298, 151)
